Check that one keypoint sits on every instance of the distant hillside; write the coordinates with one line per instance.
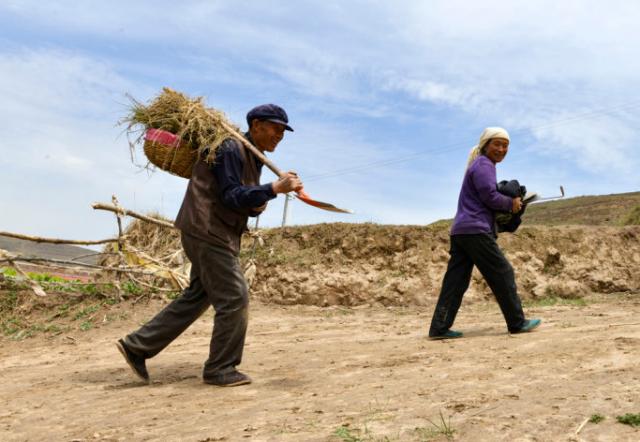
(42, 250)
(603, 210)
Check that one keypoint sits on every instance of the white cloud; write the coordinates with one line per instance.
(364, 82)
(62, 147)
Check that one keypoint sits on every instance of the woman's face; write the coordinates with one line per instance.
(496, 149)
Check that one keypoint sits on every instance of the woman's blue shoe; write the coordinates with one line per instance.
(530, 325)
(450, 334)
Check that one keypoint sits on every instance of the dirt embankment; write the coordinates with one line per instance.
(358, 264)
(346, 374)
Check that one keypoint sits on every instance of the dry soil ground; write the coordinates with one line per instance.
(328, 374)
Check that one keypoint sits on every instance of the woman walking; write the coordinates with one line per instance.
(473, 241)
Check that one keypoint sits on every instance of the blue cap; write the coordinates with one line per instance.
(269, 112)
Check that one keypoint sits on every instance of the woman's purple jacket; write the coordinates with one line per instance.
(479, 197)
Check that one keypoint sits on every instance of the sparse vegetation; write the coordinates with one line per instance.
(173, 295)
(440, 427)
(551, 271)
(443, 426)
(633, 218)
(608, 210)
(350, 432)
(629, 419)
(51, 282)
(17, 301)
(85, 311)
(596, 418)
(284, 428)
(131, 287)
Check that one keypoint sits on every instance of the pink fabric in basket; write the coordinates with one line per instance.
(163, 137)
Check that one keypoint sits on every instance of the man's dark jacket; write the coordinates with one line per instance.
(203, 214)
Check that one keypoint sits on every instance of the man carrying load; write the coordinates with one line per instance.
(219, 200)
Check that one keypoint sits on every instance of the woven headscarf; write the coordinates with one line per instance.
(489, 133)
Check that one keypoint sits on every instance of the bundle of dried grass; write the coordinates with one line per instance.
(199, 128)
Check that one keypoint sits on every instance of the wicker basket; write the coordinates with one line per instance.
(169, 153)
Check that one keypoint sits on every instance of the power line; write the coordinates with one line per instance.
(458, 146)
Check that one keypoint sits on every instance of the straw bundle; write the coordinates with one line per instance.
(200, 130)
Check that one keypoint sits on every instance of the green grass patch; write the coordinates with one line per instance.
(629, 419)
(131, 288)
(11, 326)
(351, 432)
(86, 311)
(443, 426)
(596, 418)
(633, 218)
(173, 295)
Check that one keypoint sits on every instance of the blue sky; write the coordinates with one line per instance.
(386, 99)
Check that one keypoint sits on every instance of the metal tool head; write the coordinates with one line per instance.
(304, 197)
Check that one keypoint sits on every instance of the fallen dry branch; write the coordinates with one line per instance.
(485, 410)
(59, 261)
(121, 241)
(104, 253)
(102, 206)
(139, 298)
(55, 240)
(71, 284)
(159, 289)
(34, 286)
(584, 422)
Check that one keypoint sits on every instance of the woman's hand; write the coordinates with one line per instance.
(517, 205)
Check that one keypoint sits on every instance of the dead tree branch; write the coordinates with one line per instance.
(74, 263)
(55, 240)
(102, 206)
(34, 286)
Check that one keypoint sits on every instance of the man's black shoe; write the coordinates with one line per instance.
(228, 380)
(136, 362)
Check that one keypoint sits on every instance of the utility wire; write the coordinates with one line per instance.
(458, 146)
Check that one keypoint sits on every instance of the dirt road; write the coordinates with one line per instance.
(337, 374)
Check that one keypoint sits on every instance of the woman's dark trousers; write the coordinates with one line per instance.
(482, 251)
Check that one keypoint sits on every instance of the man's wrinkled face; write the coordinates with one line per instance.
(266, 135)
